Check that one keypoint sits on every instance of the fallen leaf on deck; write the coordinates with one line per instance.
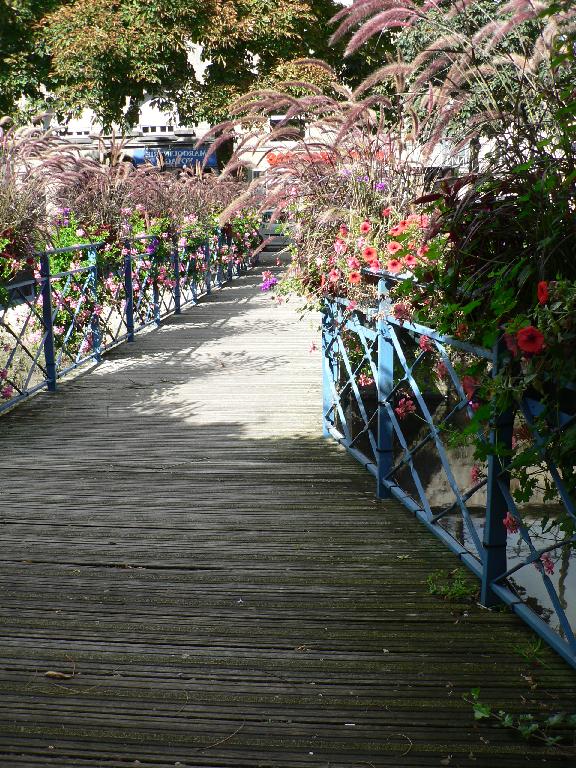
(57, 675)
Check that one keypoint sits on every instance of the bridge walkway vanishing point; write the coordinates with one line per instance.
(192, 576)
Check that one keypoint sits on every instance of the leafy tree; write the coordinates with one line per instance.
(24, 63)
(104, 52)
(269, 37)
(107, 54)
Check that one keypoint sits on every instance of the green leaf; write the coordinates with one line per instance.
(527, 729)
(481, 711)
(467, 308)
(555, 720)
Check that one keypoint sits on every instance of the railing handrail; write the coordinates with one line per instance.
(465, 346)
(69, 249)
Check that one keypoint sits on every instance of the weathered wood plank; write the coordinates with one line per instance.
(219, 583)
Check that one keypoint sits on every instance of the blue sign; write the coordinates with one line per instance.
(174, 156)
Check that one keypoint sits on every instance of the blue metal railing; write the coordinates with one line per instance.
(382, 404)
(55, 321)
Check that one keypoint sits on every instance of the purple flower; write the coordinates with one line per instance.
(268, 284)
(380, 186)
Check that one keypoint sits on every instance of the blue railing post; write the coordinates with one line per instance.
(194, 276)
(207, 275)
(495, 533)
(176, 266)
(155, 289)
(95, 320)
(385, 385)
(219, 270)
(227, 238)
(48, 320)
(129, 291)
(328, 370)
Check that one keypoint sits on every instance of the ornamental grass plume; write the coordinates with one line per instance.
(23, 219)
(97, 191)
(501, 73)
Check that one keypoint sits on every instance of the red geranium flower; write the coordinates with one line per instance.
(530, 340)
(386, 212)
(543, 293)
(370, 253)
(393, 246)
(365, 227)
(394, 266)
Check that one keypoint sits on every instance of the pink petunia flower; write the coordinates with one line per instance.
(422, 251)
(7, 392)
(405, 407)
(402, 311)
(340, 246)
(510, 523)
(355, 277)
(365, 381)
(334, 275)
(426, 344)
(547, 564)
(398, 229)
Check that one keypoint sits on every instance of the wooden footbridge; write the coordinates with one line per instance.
(192, 576)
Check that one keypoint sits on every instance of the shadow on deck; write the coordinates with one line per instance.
(191, 576)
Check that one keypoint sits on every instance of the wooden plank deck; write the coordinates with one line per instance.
(218, 584)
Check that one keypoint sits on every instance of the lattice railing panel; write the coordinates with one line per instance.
(392, 396)
(22, 336)
(55, 321)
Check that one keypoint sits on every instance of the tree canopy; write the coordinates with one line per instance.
(65, 55)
